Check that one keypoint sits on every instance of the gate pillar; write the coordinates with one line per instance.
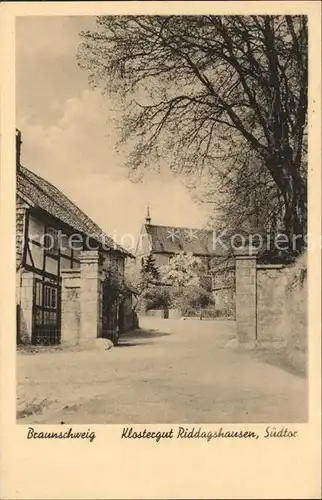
(90, 295)
(246, 297)
(70, 306)
(25, 307)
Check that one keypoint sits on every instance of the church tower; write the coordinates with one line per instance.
(148, 217)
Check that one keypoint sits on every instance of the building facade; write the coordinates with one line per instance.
(163, 242)
(58, 245)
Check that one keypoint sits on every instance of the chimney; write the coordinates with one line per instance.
(18, 147)
(148, 218)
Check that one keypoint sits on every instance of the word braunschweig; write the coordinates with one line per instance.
(32, 434)
(186, 433)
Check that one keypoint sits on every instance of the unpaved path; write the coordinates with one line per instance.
(170, 372)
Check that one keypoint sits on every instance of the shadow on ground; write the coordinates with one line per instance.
(124, 343)
(278, 358)
(143, 333)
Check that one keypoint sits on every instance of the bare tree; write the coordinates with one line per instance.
(246, 198)
(204, 86)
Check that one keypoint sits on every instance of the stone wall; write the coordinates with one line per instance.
(81, 302)
(174, 313)
(82, 296)
(157, 313)
(246, 295)
(90, 295)
(70, 307)
(25, 282)
(270, 302)
(295, 317)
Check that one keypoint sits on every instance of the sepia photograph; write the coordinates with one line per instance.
(162, 220)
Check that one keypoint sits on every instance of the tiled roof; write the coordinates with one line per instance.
(169, 239)
(53, 201)
(226, 265)
(202, 242)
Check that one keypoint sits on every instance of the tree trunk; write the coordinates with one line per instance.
(294, 194)
(295, 213)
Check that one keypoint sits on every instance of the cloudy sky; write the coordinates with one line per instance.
(69, 137)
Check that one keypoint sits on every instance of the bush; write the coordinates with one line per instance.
(193, 297)
(155, 297)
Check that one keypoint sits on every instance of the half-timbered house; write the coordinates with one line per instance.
(58, 244)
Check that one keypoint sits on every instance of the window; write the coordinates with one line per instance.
(36, 229)
(37, 255)
(76, 242)
(51, 241)
(51, 265)
(65, 246)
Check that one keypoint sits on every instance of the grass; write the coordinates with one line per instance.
(35, 349)
(34, 407)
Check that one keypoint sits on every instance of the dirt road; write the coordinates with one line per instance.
(171, 371)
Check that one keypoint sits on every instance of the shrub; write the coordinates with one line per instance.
(155, 297)
(193, 297)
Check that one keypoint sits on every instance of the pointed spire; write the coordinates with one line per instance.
(148, 217)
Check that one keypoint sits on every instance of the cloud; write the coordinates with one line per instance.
(78, 155)
(46, 64)
(79, 142)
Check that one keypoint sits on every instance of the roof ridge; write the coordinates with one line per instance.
(69, 207)
(60, 191)
(180, 227)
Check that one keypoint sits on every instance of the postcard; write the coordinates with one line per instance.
(161, 269)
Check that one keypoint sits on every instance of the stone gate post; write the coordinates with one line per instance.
(90, 295)
(70, 306)
(25, 306)
(246, 321)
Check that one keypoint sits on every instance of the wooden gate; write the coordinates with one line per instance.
(46, 312)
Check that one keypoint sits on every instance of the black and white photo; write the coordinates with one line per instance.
(162, 219)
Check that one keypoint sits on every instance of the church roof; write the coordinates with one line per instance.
(170, 239)
(49, 198)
